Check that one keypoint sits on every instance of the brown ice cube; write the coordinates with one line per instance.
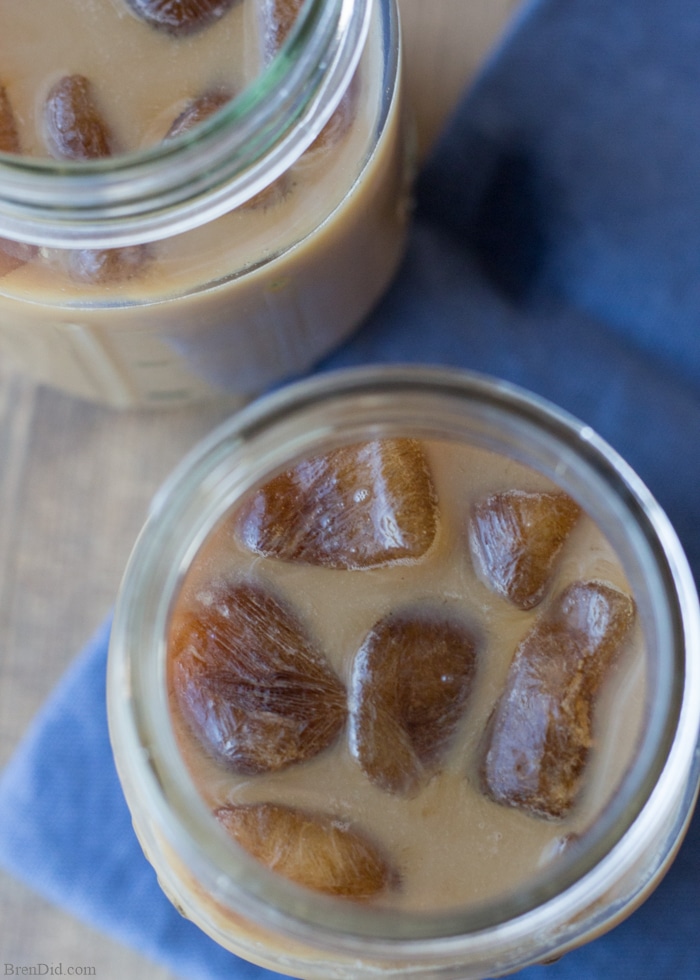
(410, 681)
(74, 126)
(516, 537)
(197, 110)
(276, 19)
(203, 107)
(106, 265)
(312, 849)
(12, 254)
(338, 124)
(9, 137)
(76, 130)
(540, 734)
(249, 682)
(180, 17)
(360, 506)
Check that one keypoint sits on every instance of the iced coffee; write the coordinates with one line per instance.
(407, 672)
(403, 679)
(229, 304)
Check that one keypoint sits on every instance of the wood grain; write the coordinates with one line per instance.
(444, 43)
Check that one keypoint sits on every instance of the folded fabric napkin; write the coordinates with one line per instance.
(556, 244)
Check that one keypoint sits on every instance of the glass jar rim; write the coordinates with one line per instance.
(178, 184)
(669, 745)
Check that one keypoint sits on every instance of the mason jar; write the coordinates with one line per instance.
(478, 887)
(246, 210)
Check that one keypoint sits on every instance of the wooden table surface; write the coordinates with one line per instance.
(75, 482)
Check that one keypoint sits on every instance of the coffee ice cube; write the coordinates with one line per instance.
(106, 265)
(12, 254)
(276, 20)
(197, 111)
(203, 107)
(337, 126)
(359, 506)
(540, 733)
(410, 681)
(249, 682)
(312, 849)
(180, 17)
(9, 136)
(76, 130)
(516, 537)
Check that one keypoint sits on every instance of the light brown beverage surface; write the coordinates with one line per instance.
(449, 843)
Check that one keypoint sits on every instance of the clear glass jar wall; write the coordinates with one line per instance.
(247, 209)
(588, 871)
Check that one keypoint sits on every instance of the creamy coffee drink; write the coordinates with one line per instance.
(256, 294)
(407, 672)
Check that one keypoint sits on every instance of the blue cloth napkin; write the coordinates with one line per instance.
(556, 244)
